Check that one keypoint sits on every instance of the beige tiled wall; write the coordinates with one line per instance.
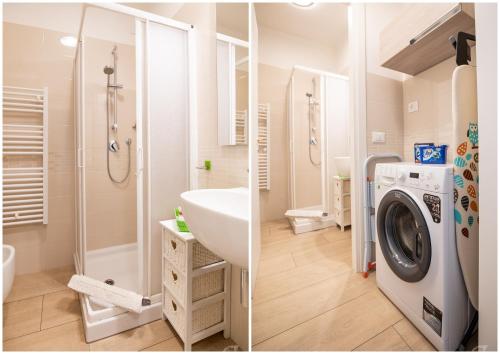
(384, 113)
(307, 175)
(111, 207)
(229, 163)
(433, 121)
(273, 83)
(34, 57)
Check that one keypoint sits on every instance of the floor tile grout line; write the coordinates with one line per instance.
(312, 318)
(40, 331)
(41, 313)
(23, 335)
(289, 269)
(294, 291)
(308, 248)
(31, 297)
(399, 334)
(369, 339)
(161, 341)
(299, 266)
(60, 324)
(164, 340)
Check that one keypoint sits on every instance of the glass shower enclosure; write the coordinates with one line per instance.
(135, 113)
(318, 115)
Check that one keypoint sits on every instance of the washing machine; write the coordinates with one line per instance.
(417, 261)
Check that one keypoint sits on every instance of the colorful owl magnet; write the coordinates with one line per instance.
(472, 134)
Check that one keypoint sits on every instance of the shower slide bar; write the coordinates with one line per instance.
(25, 189)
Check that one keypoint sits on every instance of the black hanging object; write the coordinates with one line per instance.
(462, 47)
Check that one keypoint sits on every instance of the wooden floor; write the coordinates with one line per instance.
(308, 298)
(42, 314)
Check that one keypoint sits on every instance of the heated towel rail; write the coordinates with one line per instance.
(264, 148)
(25, 156)
(241, 128)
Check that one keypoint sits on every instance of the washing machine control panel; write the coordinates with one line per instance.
(433, 178)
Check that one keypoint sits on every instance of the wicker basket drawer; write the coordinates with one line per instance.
(341, 186)
(175, 250)
(342, 218)
(202, 318)
(175, 281)
(204, 285)
(208, 316)
(342, 202)
(202, 256)
(208, 284)
(175, 314)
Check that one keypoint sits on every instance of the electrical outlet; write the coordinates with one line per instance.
(413, 107)
(378, 137)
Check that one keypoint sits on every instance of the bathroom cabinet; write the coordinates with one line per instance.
(195, 287)
(342, 201)
(417, 39)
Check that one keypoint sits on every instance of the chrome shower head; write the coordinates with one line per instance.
(108, 70)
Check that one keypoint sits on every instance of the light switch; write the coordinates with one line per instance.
(413, 107)
(378, 137)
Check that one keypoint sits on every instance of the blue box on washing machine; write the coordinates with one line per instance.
(431, 154)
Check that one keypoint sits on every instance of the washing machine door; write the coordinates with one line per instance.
(403, 236)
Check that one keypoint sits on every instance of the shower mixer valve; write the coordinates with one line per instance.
(113, 146)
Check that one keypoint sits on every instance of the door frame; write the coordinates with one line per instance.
(357, 80)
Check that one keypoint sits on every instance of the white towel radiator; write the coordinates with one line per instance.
(25, 156)
(264, 147)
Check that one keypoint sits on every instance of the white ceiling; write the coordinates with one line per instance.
(324, 23)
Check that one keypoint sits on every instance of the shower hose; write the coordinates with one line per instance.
(128, 142)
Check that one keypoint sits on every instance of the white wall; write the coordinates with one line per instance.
(486, 51)
(283, 50)
(384, 90)
(377, 17)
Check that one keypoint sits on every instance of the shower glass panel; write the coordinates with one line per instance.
(110, 148)
(306, 134)
(134, 92)
(167, 168)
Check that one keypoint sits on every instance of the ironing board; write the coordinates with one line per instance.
(466, 175)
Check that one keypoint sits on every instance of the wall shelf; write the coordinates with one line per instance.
(418, 39)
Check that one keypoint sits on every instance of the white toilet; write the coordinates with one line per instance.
(9, 254)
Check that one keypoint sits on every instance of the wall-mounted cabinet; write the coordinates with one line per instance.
(418, 39)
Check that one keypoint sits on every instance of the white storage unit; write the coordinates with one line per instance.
(196, 287)
(25, 156)
(342, 201)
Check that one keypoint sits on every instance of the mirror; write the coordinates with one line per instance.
(232, 90)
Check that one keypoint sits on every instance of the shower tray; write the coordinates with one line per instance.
(101, 320)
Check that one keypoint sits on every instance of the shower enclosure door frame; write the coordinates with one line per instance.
(142, 21)
(325, 202)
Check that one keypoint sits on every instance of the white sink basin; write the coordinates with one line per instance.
(218, 218)
(343, 165)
